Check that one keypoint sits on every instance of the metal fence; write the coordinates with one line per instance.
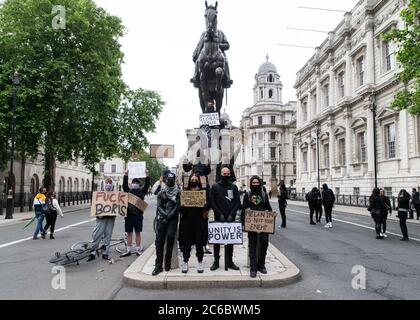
(25, 201)
(346, 200)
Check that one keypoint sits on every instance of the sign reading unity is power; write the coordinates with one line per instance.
(260, 221)
(105, 203)
(225, 233)
(209, 119)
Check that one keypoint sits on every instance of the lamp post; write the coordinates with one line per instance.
(372, 107)
(317, 132)
(9, 208)
(279, 165)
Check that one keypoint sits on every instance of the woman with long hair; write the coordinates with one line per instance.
(377, 207)
(283, 204)
(402, 209)
(51, 216)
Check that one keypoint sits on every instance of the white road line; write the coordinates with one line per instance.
(58, 230)
(359, 225)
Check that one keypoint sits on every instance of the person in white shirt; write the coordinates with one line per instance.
(51, 216)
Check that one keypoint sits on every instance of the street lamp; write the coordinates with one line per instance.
(279, 164)
(317, 132)
(372, 107)
(9, 207)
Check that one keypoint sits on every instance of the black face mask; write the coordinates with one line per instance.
(255, 189)
(194, 184)
(225, 179)
(170, 182)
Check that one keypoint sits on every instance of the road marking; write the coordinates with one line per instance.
(358, 225)
(58, 230)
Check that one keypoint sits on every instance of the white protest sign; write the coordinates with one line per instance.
(225, 233)
(136, 170)
(209, 119)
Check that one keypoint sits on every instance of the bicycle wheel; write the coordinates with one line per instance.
(121, 248)
(82, 245)
(58, 257)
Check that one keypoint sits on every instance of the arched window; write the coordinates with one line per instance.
(87, 185)
(34, 184)
(82, 185)
(62, 185)
(270, 94)
(270, 78)
(69, 185)
(76, 185)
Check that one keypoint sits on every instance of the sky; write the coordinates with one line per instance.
(162, 35)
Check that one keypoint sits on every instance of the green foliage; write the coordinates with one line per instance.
(408, 57)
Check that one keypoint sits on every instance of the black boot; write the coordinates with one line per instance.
(157, 270)
(51, 236)
(215, 265)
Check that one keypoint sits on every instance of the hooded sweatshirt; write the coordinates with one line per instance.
(39, 201)
(255, 199)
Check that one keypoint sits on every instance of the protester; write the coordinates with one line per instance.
(160, 184)
(328, 199)
(402, 209)
(385, 213)
(225, 202)
(315, 205)
(282, 197)
(415, 200)
(191, 224)
(256, 200)
(376, 208)
(39, 201)
(51, 216)
(168, 210)
(104, 226)
(134, 218)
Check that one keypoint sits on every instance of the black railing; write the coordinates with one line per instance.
(346, 200)
(24, 201)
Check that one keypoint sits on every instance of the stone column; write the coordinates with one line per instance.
(370, 142)
(349, 144)
(349, 77)
(370, 50)
(403, 139)
(310, 115)
(318, 91)
(332, 83)
(332, 147)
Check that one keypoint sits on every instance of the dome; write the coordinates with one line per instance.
(267, 67)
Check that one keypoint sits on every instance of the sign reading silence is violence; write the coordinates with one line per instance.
(260, 221)
(106, 203)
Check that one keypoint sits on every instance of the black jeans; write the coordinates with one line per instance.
(311, 214)
(403, 223)
(384, 218)
(229, 253)
(378, 222)
(328, 213)
(165, 232)
(417, 208)
(257, 254)
(282, 207)
(192, 234)
(51, 219)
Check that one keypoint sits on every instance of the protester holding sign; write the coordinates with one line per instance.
(256, 200)
(168, 209)
(225, 202)
(134, 218)
(103, 229)
(191, 225)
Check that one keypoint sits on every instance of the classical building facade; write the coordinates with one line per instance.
(343, 90)
(268, 128)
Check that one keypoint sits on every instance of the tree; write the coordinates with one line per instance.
(408, 56)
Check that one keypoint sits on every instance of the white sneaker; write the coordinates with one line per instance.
(330, 224)
(139, 251)
(184, 267)
(200, 267)
(384, 235)
(327, 225)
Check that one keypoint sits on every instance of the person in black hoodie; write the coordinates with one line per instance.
(168, 209)
(134, 219)
(328, 199)
(225, 202)
(283, 195)
(402, 209)
(256, 200)
(377, 207)
(415, 200)
(315, 204)
(191, 224)
(385, 213)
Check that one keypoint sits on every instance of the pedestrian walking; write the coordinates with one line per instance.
(134, 218)
(415, 200)
(328, 200)
(402, 209)
(315, 204)
(377, 207)
(282, 199)
(51, 214)
(385, 213)
(39, 201)
(256, 200)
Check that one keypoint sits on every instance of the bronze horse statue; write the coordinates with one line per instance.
(211, 63)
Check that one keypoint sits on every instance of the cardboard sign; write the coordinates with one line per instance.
(136, 170)
(209, 119)
(225, 233)
(162, 151)
(193, 198)
(109, 204)
(137, 202)
(260, 221)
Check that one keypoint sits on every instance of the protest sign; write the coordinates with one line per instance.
(193, 198)
(260, 221)
(136, 170)
(137, 202)
(209, 119)
(225, 233)
(106, 203)
(160, 151)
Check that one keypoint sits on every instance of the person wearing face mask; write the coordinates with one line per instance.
(39, 201)
(134, 218)
(104, 226)
(225, 202)
(256, 200)
(167, 223)
(191, 224)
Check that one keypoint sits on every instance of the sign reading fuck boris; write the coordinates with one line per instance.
(109, 204)
(225, 233)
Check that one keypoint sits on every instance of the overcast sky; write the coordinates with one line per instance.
(162, 35)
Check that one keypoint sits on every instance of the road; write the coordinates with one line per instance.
(325, 257)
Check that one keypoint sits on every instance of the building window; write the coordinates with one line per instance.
(388, 53)
(304, 111)
(273, 153)
(260, 136)
(305, 161)
(273, 119)
(390, 140)
(342, 151)
(261, 93)
(270, 78)
(260, 153)
(341, 87)
(388, 191)
(314, 105)
(326, 155)
(294, 170)
(361, 137)
(102, 167)
(326, 95)
(356, 191)
(360, 71)
(260, 122)
(314, 159)
(270, 94)
(294, 153)
(337, 191)
(272, 136)
(114, 168)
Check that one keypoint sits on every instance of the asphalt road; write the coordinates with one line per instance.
(325, 257)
